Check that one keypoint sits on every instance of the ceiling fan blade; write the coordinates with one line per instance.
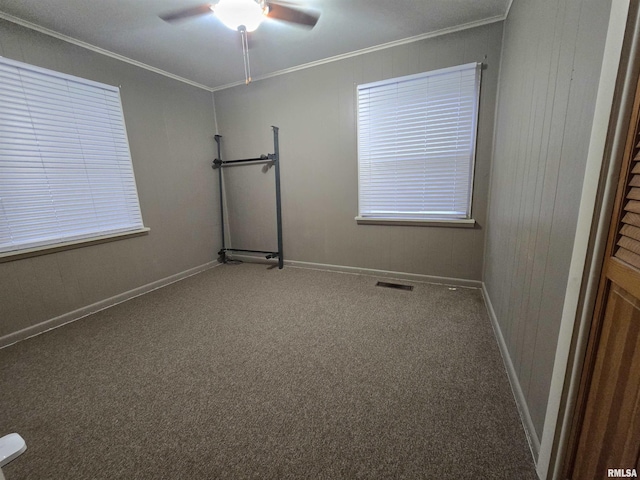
(291, 14)
(187, 13)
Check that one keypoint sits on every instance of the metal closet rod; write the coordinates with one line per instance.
(262, 158)
(274, 254)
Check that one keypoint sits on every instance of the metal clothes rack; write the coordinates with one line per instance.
(273, 158)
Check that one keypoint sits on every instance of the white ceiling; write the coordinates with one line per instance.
(204, 51)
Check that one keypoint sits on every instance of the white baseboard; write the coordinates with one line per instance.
(523, 409)
(415, 277)
(74, 315)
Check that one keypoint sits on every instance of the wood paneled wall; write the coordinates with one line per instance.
(170, 127)
(315, 110)
(551, 59)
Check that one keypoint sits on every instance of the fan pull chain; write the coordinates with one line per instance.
(245, 53)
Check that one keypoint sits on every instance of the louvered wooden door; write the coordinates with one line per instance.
(606, 427)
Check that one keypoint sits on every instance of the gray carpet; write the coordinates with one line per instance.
(249, 372)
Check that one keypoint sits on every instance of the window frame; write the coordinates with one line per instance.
(468, 221)
(30, 248)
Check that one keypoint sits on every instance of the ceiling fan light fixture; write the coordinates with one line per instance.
(234, 13)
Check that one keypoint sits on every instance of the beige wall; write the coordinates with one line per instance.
(315, 110)
(170, 127)
(550, 69)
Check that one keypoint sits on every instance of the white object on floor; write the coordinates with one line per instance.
(11, 446)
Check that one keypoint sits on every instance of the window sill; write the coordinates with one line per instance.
(59, 247)
(455, 223)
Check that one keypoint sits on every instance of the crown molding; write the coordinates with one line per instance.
(383, 46)
(506, 14)
(88, 46)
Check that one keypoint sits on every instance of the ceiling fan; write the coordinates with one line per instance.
(246, 16)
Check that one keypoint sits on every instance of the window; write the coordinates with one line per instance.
(65, 167)
(416, 146)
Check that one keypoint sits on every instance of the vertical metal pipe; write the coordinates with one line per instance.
(276, 162)
(218, 139)
(245, 53)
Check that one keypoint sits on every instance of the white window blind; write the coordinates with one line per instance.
(416, 145)
(65, 167)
